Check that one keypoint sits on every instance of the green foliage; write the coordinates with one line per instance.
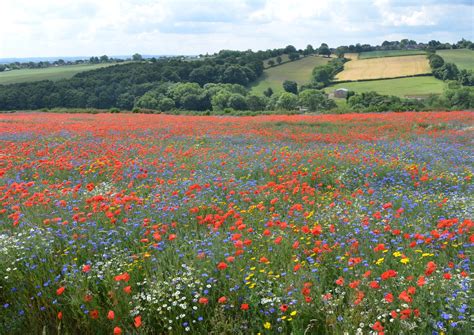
(137, 57)
(237, 102)
(435, 61)
(268, 92)
(324, 50)
(290, 86)
(309, 50)
(123, 85)
(466, 77)
(448, 71)
(204, 74)
(323, 75)
(293, 56)
(287, 101)
(453, 98)
(256, 103)
(290, 49)
(315, 100)
(374, 102)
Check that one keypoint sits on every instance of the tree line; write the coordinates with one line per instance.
(200, 85)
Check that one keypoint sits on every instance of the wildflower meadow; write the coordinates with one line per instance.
(160, 224)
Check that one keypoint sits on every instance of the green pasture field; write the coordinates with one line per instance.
(284, 59)
(402, 87)
(299, 71)
(50, 73)
(463, 58)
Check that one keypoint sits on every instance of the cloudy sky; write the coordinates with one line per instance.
(122, 27)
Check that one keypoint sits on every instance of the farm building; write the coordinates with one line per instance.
(341, 93)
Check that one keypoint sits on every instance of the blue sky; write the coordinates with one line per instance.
(121, 27)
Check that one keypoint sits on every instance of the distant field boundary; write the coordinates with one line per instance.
(386, 56)
(374, 79)
(265, 67)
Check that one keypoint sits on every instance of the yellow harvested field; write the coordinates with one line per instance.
(385, 67)
(353, 55)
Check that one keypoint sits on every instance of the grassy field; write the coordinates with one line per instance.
(463, 58)
(284, 58)
(299, 71)
(385, 67)
(50, 73)
(402, 87)
(389, 53)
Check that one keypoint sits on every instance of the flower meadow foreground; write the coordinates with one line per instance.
(154, 224)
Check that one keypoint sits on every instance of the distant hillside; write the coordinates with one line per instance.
(299, 71)
(463, 58)
(50, 73)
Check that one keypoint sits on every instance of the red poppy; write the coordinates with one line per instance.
(244, 307)
(378, 327)
(222, 300)
(405, 297)
(388, 274)
(222, 266)
(117, 331)
(60, 290)
(203, 300)
(86, 268)
(374, 284)
(171, 237)
(340, 281)
(389, 297)
(430, 268)
(380, 247)
(421, 281)
(354, 284)
(124, 276)
(137, 321)
(94, 314)
(60, 315)
(111, 315)
(127, 289)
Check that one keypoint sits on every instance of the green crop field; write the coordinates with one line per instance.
(402, 87)
(463, 58)
(299, 71)
(389, 53)
(50, 73)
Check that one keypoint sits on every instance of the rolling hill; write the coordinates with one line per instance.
(49, 73)
(463, 58)
(299, 71)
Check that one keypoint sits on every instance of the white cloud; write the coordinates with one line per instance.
(118, 27)
(408, 15)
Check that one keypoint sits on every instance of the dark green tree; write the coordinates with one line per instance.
(137, 57)
(290, 86)
(324, 50)
(268, 92)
